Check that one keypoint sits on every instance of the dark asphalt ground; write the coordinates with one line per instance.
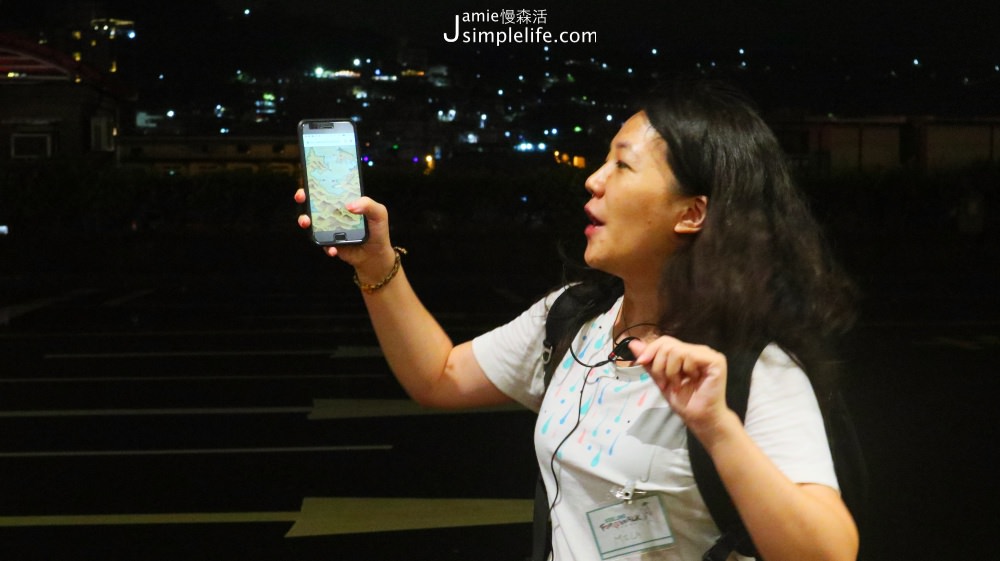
(228, 352)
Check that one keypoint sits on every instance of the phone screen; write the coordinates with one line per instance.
(332, 179)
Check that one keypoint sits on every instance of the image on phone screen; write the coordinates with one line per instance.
(332, 179)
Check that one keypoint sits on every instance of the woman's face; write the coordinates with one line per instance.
(636, 211)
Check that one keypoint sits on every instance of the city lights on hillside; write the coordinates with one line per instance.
(511, 111)
(530, 147)
(111, 28)
(563, 158)
(325, 74)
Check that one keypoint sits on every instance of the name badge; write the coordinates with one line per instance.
(630, 527)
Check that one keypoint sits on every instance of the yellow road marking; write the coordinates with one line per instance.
(323, 516)
(332, 516)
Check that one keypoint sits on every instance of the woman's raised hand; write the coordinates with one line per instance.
(371, 259)
(691, 377)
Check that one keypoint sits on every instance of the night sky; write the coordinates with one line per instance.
(199, 41)
(962, 28)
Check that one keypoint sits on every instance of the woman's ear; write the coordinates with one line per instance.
(694, 216)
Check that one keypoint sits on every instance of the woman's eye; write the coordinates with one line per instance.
(621, 165)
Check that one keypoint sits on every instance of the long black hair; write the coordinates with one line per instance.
(759, 270)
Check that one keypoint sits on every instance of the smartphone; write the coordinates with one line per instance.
(331, 174)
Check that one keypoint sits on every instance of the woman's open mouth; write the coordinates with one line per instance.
(595, 223)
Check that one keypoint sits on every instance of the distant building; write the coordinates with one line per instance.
(190, 155)
(53, 105)
(830, 144)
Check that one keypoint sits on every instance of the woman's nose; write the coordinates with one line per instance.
(595, 183)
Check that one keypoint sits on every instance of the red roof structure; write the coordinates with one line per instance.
(27, 62)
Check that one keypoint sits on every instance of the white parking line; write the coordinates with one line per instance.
(133, 519)
(155, 412)
(10, 312)
(347, 351)
(194, 451)
(206, 378)
(326, 409)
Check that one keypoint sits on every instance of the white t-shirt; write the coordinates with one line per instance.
(627, 431)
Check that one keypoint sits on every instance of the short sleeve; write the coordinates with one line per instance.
(784, 419)
(511, 355)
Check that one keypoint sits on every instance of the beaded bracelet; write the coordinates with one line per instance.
(370, 288)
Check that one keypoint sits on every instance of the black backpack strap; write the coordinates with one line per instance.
(568, 312)
(848, 457)
(565, 314)
(541, 528)
(734, 536)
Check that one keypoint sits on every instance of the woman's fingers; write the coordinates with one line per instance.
(304, 220)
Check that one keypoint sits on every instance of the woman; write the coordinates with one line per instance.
(707, 248)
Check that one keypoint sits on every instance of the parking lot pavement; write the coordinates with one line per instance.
(196, 416)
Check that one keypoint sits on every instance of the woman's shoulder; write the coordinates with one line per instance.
(774, 356)
(777, 374)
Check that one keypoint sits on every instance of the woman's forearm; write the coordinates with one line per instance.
(433, 371)
(788, 521)
(414, 344)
